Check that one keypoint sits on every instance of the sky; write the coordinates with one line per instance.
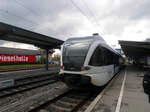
(113, 19)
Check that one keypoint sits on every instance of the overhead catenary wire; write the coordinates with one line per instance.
(32, 11)
(27, 8)
(89, 10)
(27, 20)
(92, 14)
(79, 9)
(12, 14)
(82, 12)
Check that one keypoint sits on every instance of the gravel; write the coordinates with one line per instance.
(24, 102)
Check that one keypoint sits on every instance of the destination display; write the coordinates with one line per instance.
(17, 58)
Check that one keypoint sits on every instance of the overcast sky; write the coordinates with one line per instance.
(113, 19)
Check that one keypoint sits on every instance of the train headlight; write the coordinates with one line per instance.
(83, 68)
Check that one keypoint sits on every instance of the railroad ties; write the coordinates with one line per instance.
(47, 94)
(28, 83)
(57, 97)
(71, 101)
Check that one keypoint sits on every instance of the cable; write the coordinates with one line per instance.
(27, 8)
(35, 13)
(7, 12)
(80, 10)
(32, 11)
(91, 13)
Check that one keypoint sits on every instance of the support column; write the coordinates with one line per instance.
(46, 62)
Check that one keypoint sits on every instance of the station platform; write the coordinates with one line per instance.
(124, 94)
(27, 73)
(15, 78)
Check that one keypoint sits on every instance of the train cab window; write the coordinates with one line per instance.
(116, 60)
(74, 54)
(97, 57)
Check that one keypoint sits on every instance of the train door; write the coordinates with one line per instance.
(108, 61)
(116, 64)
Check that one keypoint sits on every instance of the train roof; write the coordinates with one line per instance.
(95, 38)
(86, 39)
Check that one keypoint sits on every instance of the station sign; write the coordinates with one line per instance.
(17, 58)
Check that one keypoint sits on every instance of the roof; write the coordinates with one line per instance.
(16, 34)
(90, 40)
(134, 49)
(86, 39)
(16, 51)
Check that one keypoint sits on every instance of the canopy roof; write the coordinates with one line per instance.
(16, 51)
(134, 49)
(16, 34)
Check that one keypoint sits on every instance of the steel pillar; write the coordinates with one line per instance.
(46, 61)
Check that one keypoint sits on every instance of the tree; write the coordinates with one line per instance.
(56, 57)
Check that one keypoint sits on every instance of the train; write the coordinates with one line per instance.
(88, 62)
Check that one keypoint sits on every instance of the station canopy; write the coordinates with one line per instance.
(16, 51)
(135, 49)
(16, 34)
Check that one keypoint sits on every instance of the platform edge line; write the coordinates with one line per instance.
(92, 105)
(121, 94)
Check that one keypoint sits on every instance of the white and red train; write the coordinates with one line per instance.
(88, 61)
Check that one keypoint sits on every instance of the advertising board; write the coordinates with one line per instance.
(17, 58)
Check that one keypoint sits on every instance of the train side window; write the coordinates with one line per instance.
(108, 57)
(97, 57)
(116, 60)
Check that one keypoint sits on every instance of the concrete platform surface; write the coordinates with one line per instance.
(124, 94)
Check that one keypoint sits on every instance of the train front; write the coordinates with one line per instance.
(73, 70)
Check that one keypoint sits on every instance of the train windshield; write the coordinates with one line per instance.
(74, 54)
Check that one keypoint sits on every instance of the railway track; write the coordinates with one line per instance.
(34, 98)
(58, 98)
(31, 79)
(19, 69)
(54, 99)
(28, 84)
(22, 68)
(70, 101)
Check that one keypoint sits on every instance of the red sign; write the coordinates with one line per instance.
(17, 58)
